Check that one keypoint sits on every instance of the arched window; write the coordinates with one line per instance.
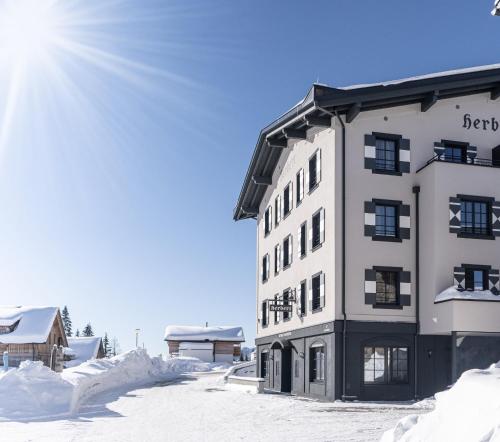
(317, 363)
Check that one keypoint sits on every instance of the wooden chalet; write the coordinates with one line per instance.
(30, 333)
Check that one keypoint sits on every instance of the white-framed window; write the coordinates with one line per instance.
(268, 220)
(277, 258)
(287, 199)
(299, 187)
(265, 268)
(302, 240)
(287, 252)
(277, 210)
(317, 230)
(314, 171)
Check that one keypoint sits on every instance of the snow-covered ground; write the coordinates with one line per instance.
(468, 412)
(198, 407)
(34, 391)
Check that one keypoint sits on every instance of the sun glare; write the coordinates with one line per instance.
(27, 29)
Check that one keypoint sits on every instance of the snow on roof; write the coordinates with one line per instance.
(34, 325)
(195, 333)
(84, 348)
(425, 77)
(454, 293)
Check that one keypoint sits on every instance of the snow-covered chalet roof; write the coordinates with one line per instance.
(473, 295)
(84, 347)
(34, 324)
(195, 333)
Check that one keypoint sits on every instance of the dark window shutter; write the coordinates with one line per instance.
(370, 151)
(404, 155)
(471, 153)
(495, 218)
(404, 221)
(459, 278)
(455, 205)
(369, 218)
(439, 148)
(493, 281)
(370, 287)
(405, 288)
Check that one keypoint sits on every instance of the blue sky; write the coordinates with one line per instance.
(122, 164)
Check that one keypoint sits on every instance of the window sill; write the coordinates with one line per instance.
(287, 319)
(317, 247)
(474, 236)
(287, 266)
(265, 280)
(317, 382)
(317, 310)
(285, 215)
(303, 255)
(387, 172)
(388, 306)
(298, 203)
(266, 234)
(313, 188)
(386, 238)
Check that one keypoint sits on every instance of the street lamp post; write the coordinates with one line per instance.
(137, 330)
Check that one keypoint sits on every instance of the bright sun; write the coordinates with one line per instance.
(27, 29)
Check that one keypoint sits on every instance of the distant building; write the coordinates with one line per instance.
(82, 349)
(210, 344)
(30, 333)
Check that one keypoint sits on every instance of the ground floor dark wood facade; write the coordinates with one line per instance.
(383, 360)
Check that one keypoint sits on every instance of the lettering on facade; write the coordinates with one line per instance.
(480, 123)
(280, 308)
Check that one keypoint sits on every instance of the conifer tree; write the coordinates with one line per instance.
(67, 322)
(87, 331)
(105, 344)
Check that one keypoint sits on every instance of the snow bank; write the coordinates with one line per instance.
(454, 293)
(34, 390)
(468, 412)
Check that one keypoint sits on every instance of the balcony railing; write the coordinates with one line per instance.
(485, 162)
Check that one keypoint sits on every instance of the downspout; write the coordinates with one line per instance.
(344, 316)
(416, 191)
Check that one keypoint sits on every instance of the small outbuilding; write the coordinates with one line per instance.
(30, 333)
(210, 344)
(82, 349)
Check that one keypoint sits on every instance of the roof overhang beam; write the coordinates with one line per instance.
(495, 93)
(317, 121)
(282, 143)
(353, 112)
(429, 101)
(299, 134)
(262, 180)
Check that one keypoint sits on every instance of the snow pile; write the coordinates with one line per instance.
(454, 293)
(34, 390)
(468, 412)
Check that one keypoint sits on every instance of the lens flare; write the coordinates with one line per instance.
(27, 30)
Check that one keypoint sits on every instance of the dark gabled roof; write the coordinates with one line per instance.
(321, 101)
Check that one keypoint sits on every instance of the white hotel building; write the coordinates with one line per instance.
(378, 216)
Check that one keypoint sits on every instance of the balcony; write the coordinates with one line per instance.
(482, 162)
